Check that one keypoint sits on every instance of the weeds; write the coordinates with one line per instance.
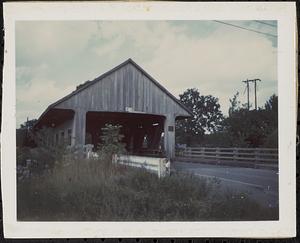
(82, 190)
(56, 183)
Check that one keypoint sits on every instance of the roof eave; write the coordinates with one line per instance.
(107, 73)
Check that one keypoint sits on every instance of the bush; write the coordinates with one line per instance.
(271, 140)
(111, 145)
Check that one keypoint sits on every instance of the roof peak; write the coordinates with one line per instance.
(91, 82)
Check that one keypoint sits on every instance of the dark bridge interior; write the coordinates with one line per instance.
(142, 132)
(54, 118)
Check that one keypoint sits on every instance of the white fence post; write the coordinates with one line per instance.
(218, 155)
(235, 154)
(256, 156)
(202, 152)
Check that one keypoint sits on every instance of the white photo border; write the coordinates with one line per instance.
(283, 12)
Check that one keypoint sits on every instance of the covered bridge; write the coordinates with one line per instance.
(125, 95)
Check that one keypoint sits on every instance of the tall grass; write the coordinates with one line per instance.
(79, 190)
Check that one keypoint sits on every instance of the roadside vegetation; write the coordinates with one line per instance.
(56, 183)
(242, 127)
(89, 190)
(64, 186)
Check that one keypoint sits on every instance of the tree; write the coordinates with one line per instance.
(24, 134)
(207, 117)
(235, 104)
(271, 107)
(29, 124)
(248, 128)
(111, 144)
(272, 103)
(252, 128)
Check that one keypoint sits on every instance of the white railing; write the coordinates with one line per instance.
(160, 166)
(266, 156)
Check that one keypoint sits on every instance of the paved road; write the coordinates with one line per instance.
(260, 184)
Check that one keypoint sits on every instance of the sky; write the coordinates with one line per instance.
(53, 57)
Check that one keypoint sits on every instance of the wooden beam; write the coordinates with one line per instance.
(169, 136)
(79, 127)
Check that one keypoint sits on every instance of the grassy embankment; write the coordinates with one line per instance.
(89, 190)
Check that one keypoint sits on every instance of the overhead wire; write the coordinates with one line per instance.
(244, 28)
(262, 22)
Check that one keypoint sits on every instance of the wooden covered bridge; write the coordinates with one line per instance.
(125, 95)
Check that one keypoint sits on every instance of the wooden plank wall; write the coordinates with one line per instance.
(126, 87)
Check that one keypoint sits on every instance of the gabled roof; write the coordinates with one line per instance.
(89, 83)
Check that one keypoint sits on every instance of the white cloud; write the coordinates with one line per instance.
(216, 64)
(37, 97)
(110, 48)
(54, 57)
(42, 91)
(41, 40)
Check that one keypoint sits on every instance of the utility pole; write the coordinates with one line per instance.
(255, 96)
(247, 82)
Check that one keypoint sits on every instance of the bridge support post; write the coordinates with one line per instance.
(169, 136)
(79, 127)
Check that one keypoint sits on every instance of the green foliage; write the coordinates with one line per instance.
(252, 128)
(207, 117)
(271, 140)
(44, 139)
(44, 155)
(111, 140)
(219, 139)
(82, 190)
(23, 134)
(29, 124)
(272, 104)
(235, 104)
(244, 128)
(110, 143)
(271, 108)
(248, 127)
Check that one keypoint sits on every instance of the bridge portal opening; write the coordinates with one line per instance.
(143, 133)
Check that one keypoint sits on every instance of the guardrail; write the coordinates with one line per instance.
(160, 166)
(254, 156)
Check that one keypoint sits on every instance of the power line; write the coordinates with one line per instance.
(248, 89)
(262, 22)
(240, 27)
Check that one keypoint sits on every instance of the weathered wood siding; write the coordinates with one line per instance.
(64, 127)
(125, 87)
